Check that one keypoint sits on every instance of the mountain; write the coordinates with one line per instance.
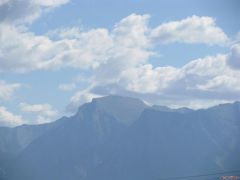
(125, 110)
(122, 138)
(14, 140)
(167, 109)
(164, 144)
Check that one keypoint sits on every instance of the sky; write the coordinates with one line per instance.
(56, 55)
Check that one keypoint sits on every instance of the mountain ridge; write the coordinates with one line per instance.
(98, 142)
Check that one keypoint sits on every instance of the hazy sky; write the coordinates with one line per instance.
(57, 54)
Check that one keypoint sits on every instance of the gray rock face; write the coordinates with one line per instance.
(122, 138)
(125, 110)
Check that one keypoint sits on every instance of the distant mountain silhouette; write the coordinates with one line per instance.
(121, 138)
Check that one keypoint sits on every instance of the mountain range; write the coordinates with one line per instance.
(122, 138)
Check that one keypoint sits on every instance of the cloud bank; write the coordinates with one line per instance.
(200, 83)
(117, 60)
(131, 42)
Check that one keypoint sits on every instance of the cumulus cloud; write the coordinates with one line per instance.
(208, 78)
(117, 59)
(200, 83)
(43, 112)
(7, 90)
(130, 43)
(9, 119)
(22, 51)
(25, 11)
(80, 98)
(147, 79)
(222, 83)
(193, 29)
(234, 57)
(132, 31)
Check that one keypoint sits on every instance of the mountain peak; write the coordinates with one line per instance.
(117, 99)
(124, 109)
(114, 132)
(167, 109)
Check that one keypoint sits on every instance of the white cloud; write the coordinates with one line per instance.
(65, 33)
(43, 112)
(130, 43)
(200, 83)
(23, 51)
(131, 47)
(210, 78)
(199, 78)
(222, 83)
(234, 57)
(208, 66)
(9, 119)
(80, 98)
(25, 11)
(193, 29)
(7, 90)
(146, 79)
(117, 60)
(106, 53)
(132, 31)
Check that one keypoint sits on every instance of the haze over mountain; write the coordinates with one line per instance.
(118, 138)
(171, 68)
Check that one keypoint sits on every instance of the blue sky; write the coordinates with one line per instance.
(58, 54)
